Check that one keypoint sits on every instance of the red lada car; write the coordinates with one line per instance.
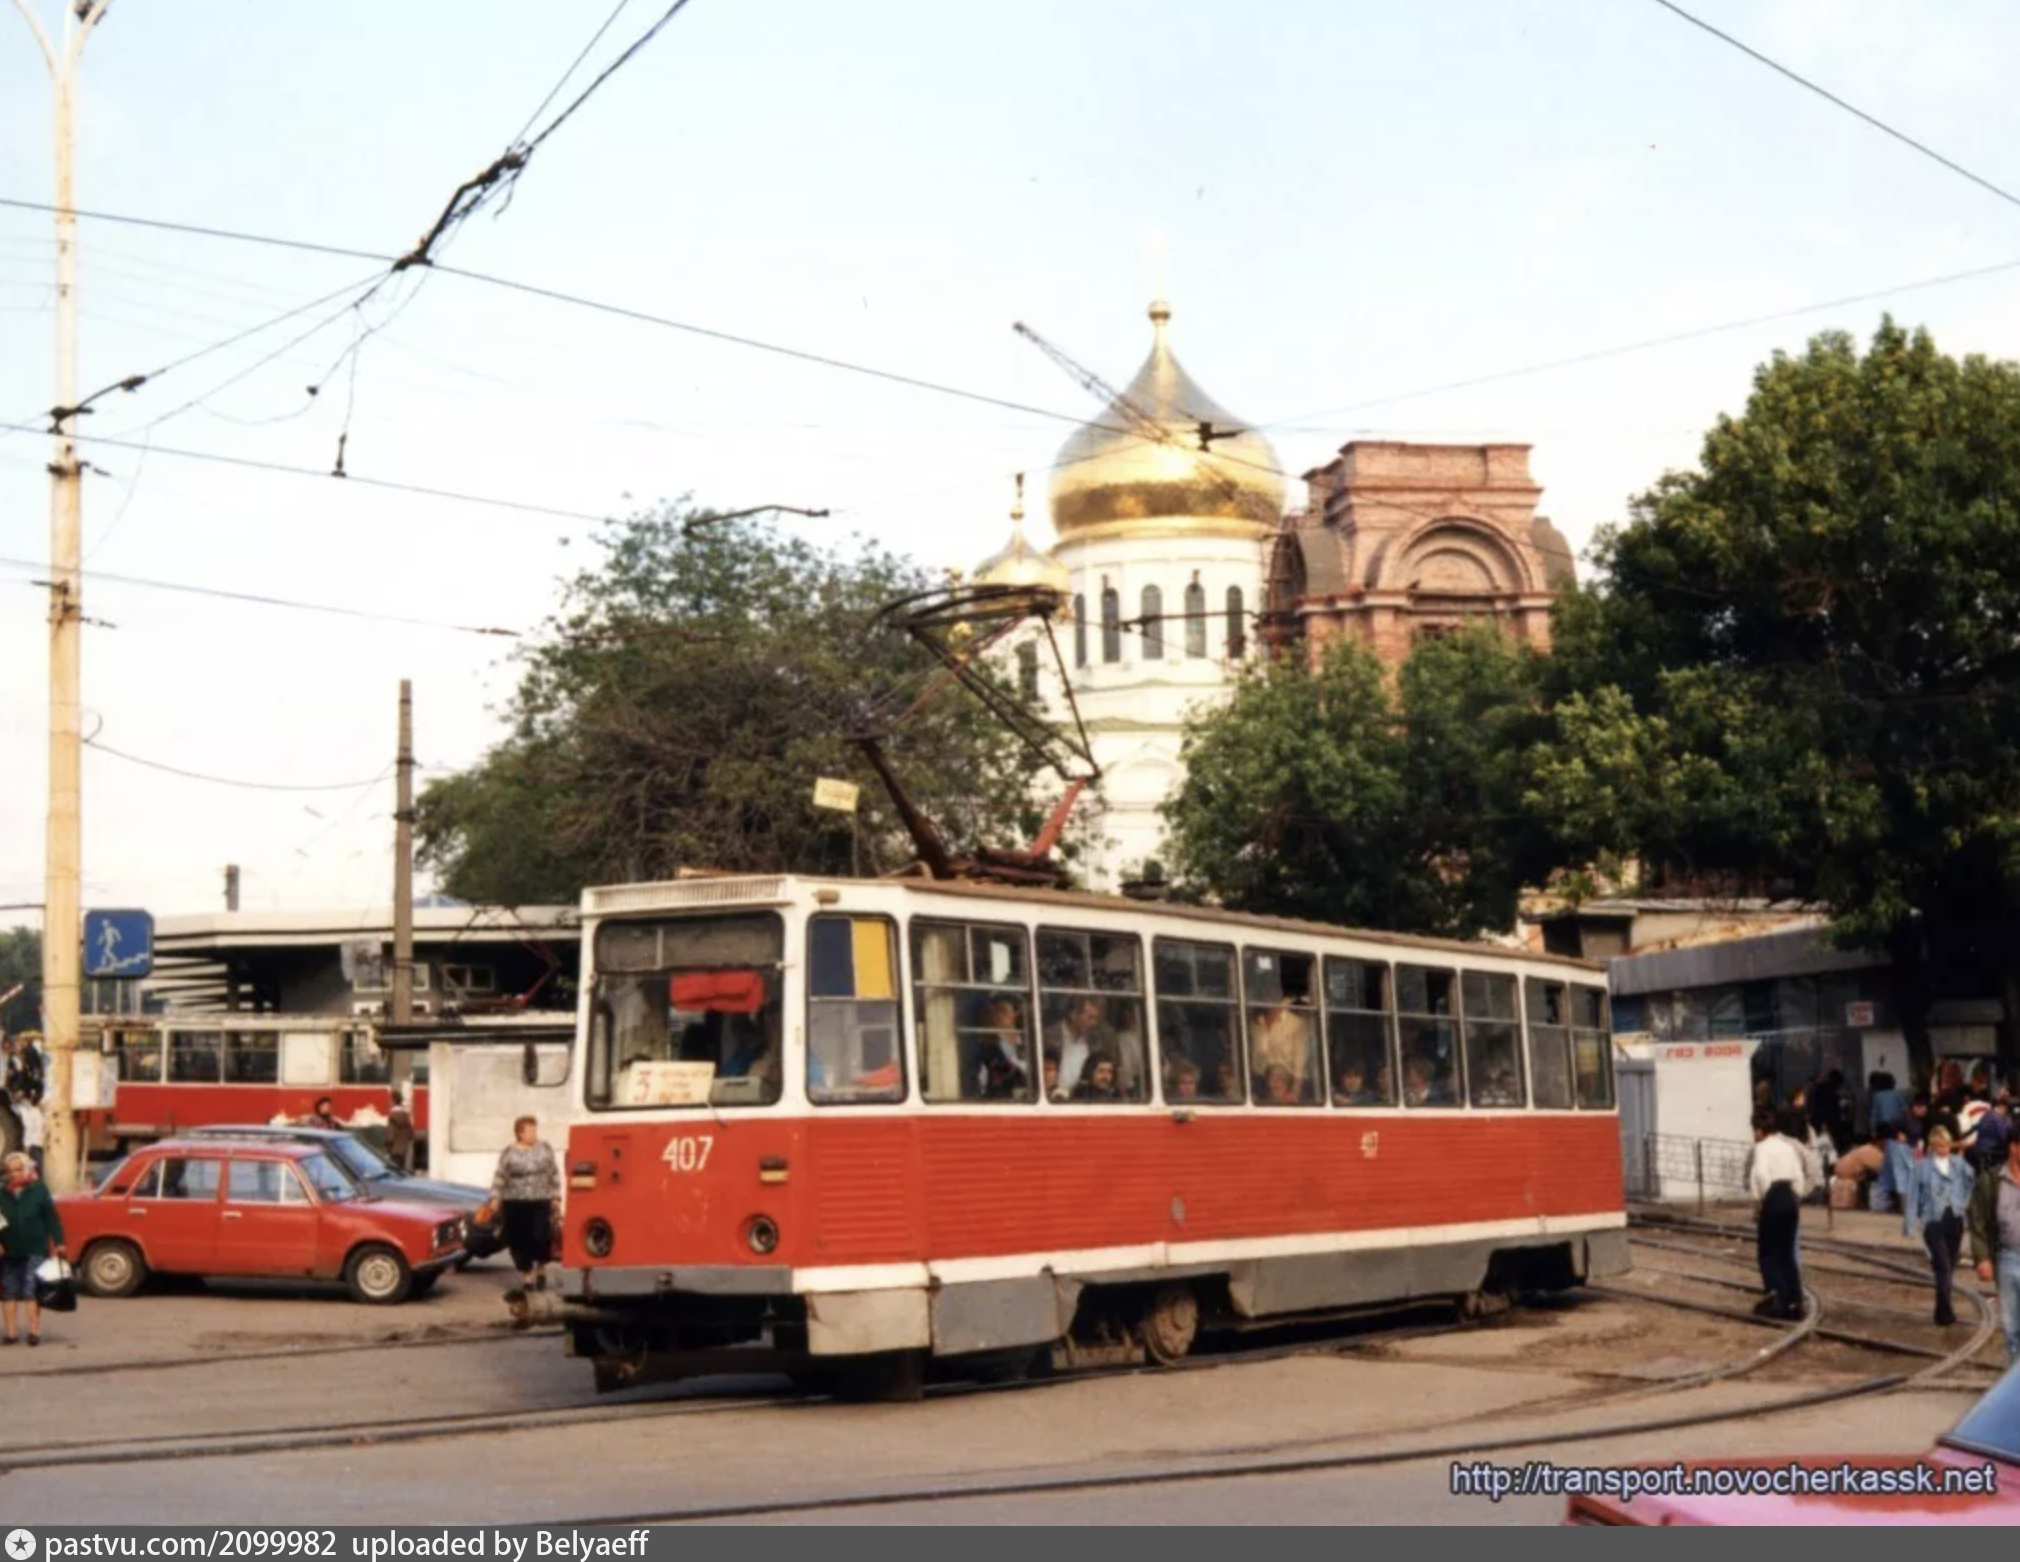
(273, 1210)
(1970, 1478)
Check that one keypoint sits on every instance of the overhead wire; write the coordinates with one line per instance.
(1853, 109)
(259, 599)
(250, 786)
(554, 92)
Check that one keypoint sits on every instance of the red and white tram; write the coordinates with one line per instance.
(191, 1071)
(843, 1124)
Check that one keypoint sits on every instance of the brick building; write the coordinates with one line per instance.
(1404, 541)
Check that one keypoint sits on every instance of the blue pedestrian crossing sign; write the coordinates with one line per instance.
(118, 943)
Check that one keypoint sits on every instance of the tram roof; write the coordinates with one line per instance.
(635, 899)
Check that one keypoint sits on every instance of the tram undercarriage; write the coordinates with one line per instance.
(885, 1343)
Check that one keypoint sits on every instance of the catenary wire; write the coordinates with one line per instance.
(250, 786)
(303, 471)
(1850, 108)
(555, 91)
(259, 599)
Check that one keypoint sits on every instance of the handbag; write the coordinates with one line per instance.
(56, 1286)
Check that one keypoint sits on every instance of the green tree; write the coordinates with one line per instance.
(21, 963)
(1325, 792)
(690, 690)
(1804, 666)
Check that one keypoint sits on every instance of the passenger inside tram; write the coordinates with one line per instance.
(1098, 1081)
(1181, 1080)
(1276, 1087)
(1501, 1081)
(1425, 1086)
(1072, 1037)
(995, 1062)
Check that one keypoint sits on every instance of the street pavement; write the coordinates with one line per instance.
(718, 1444)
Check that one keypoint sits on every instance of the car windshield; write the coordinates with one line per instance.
(361, 1160)
(328, 1179)
(1993, 1426)
(105, 1177)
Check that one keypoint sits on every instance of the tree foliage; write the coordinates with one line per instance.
(1324, 791)
(21, 962)
(693, 686)
(1805, 665)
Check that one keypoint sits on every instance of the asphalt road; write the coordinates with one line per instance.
(715, 1445)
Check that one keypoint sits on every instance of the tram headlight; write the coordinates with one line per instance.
(762, 1233)
(598, 1238)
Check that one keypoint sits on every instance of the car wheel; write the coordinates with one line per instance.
(113, 1268)
(378, 1275)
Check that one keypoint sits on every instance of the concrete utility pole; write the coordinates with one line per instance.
(62, 907)
(231, 886)
(401, 1011)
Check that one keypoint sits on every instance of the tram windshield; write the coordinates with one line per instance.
(687, 1013)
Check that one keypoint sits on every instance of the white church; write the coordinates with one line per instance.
(1160, 553)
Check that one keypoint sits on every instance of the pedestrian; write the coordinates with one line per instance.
(27, 1066)
(33, 1131)
(1989, 1138)
(1777, 1180)
(324, 1116)
(400, 1135)
(1938, 1197)
(1995, 1240)
(30, 1231)
(1888, 1103)
(526, 1191)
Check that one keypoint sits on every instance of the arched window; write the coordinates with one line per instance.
(1027, 669)
(1153, 624)
(1195, 619)
(1111, 624)
(1237, 626)
(1079, 631)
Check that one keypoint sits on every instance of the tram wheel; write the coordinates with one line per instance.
(1170, 1324)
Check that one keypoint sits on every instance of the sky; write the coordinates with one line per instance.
(1352, 207)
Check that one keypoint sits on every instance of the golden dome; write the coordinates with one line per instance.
(1112, 481)
(1020, 564)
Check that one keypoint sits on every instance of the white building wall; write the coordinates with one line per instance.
(1136, 706)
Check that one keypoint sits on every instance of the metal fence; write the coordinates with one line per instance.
(1669, 1168)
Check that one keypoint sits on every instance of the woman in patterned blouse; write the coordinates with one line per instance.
(526, 1189)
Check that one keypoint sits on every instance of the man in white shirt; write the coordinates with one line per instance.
(29, 1115)
(1777, 1180)
(1070, 1041)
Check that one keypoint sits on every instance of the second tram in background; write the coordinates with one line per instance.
(848, 1127)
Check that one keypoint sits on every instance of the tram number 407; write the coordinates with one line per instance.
(688, 1152)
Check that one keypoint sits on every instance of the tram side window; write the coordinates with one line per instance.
(852, 1012)
(194, 1056)
(1592, 1047)
(1493, 1039)
(1284, 1063)
(1090, 991)
(364, 1061)
(971, 1001)
(139, 1056)
(252, 1057)
(1196, 1016)
(1358, 1018)
(1549, 1044)
(1427, 1032)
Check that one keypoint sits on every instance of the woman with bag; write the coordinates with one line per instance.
(31, 1233)
(526, 1190)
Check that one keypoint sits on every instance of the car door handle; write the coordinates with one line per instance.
(135, 1214)
(232, 1214)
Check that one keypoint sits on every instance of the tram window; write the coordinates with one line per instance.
(691, 1015)
(1591, 1047)
(1196, 1009)
(252, 1057)
(1427, 1032)
(364, 1061)
(140, 1055)
(1284, 1061)
(176, 1178)
(194, 1057)
(1358, 1019)
(971, 1001)
(262, 1182)
(852, 1012)
(1549, 1044)
(1090, 990)
(1493, 1039)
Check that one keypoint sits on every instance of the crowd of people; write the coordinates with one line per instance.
(1948, 1161)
